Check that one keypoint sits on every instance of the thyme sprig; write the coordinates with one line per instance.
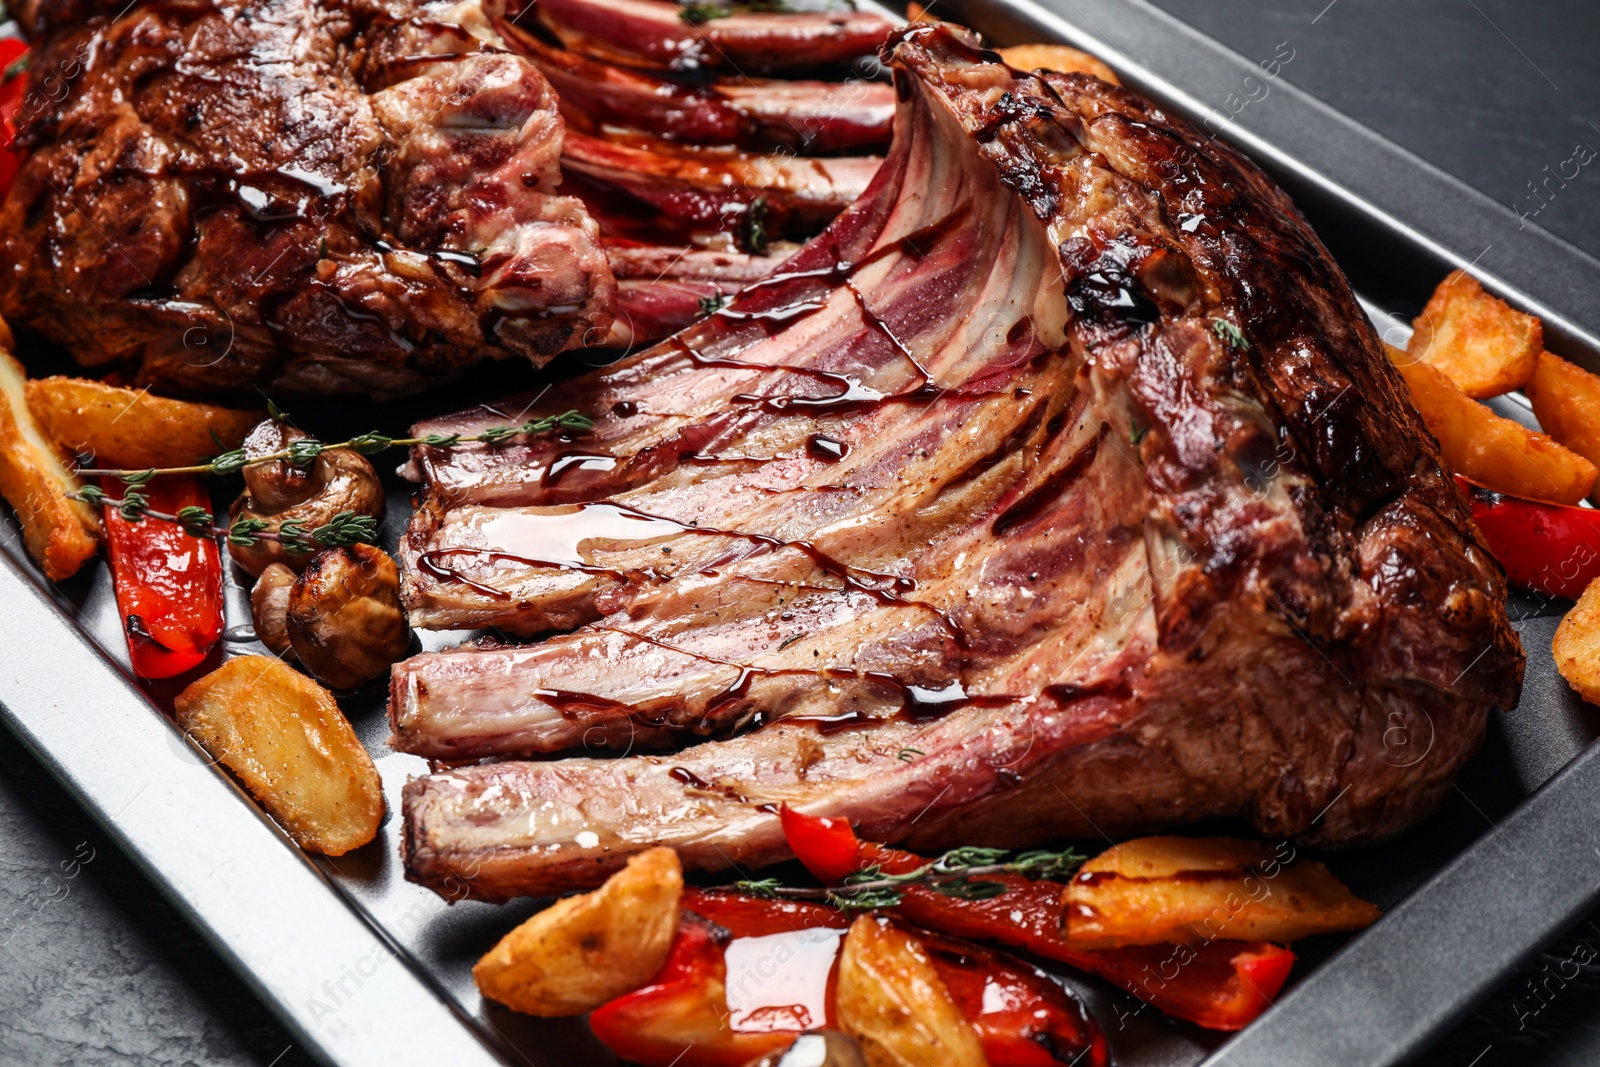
(1230, 335)
(957, 874)
(304, 452)
(344, 529)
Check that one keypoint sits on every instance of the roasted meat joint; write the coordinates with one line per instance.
(317, 195)
(1059, 488)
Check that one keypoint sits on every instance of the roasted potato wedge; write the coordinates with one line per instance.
(283, 736)
(1493, 451)
(131, 428)
(1176, 890)
(1566, 401)
(892, 1001)
(1058, 57)
(1479, 341)
(60, 533)
(583, 951)
(1577, 645)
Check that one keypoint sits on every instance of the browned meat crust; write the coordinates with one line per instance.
(1166, 542)
(293, 191)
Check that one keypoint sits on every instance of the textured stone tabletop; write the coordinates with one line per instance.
(97, 969)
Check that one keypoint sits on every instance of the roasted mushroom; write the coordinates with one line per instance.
(344, 617)
(269, 603)
(310, 495)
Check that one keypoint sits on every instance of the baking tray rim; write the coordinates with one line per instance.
(401, 1017)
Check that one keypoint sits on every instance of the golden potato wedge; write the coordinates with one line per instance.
(60, 533)
(130, 428)
(892, 1001)
(580, 952)
(282, 735)
(1173, 890)
(1503, 455)
(1566, 401)
(1577, 645)
(1479, 341)
(1057, 57)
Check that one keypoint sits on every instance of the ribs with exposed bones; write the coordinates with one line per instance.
(329, 195)
(753, 113)
(1059, 488)
(678, 157)
(660, 34)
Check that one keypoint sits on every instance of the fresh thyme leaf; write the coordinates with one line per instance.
(710, 305)
(195, 520)
(1042, 864)
(962, 889)
(1136, 434)
(441, 440)
(908, 755)
(133, 479)
(369, 444)
(292, 536)
(274, 413)
(133, 505)
(92, 494)
(243, 531)
(19, 66)
(865, 874)
(755, 226)
(1231, 335)
(759, 887)
(344, 529)
(866, 899)
(495, 434)
(698, 13)
(229, 462)
(787, 641)
(959, 859)
(304, 452)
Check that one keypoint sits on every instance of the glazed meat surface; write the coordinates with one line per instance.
(1060, 488)
(324, 195)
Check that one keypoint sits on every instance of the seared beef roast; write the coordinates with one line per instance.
(321, 194)
(1060, 488)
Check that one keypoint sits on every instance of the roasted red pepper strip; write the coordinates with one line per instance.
(684, 1007)
(1553, 549)
(169, 584)
(829, 848)
(747, 916)
(13, 88)
(1220, 985)
(1021, 1016)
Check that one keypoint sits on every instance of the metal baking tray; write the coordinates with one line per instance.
(365, 968)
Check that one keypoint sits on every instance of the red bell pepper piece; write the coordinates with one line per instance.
(1220, 985)
(828, 847)
(13, 88)
(169, 584)
(1022, 1017)
(746, 916)
(1553, 549)
(683, 1008)
(684, 1016)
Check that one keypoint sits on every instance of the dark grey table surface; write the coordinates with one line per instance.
(96, 968)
